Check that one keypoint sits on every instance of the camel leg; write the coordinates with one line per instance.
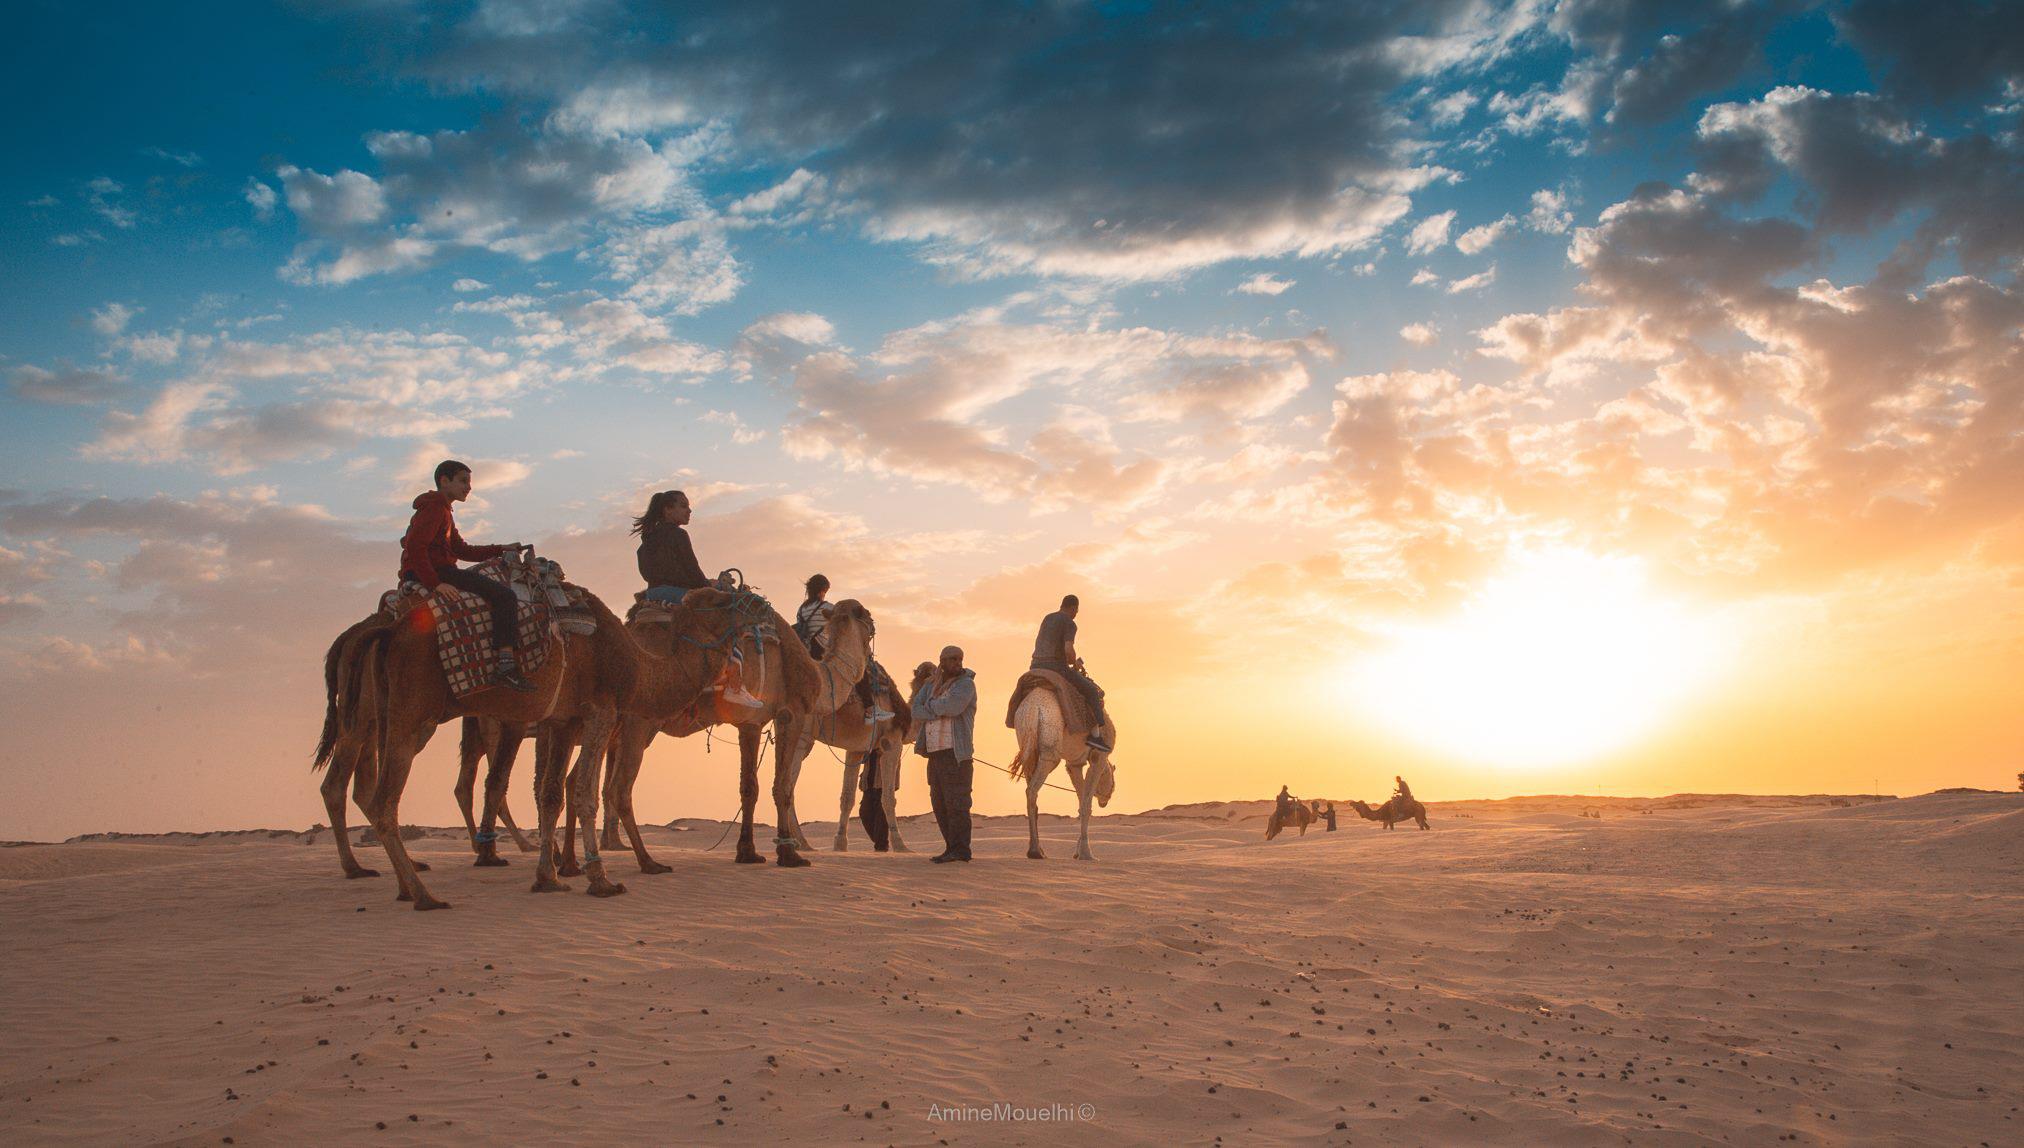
(336, 777)
(1082, 796)
(497, 776)
(470, 747)
(568, 866)
(549, 749)
(788, 839)
(510, 737)
(520, 841)
(386, 814)
(748, 797)
(889, 776)
(851, 763)
(633, 738)
(609, 839)
(585, 779)
(789, 753)
(1034, 781)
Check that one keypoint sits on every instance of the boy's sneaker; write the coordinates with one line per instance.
(1097, 742)
(737, 696)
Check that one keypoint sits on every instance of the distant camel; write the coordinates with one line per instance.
(1393, 811)
(1297, 815)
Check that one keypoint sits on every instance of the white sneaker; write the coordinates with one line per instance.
(737, 696)
(874, 716)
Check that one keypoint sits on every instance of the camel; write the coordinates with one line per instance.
(347, 754)
(1045, 743)
(1299, 815)
(482, 739)
(795, 688)
(846, 730)
(577, 696)
(1393, 811)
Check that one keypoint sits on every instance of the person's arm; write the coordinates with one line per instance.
(960, 696)
(469, 553)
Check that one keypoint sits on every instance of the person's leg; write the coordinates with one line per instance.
(961, 774)
(1091, 693)
(671, 595)
(505, 622)
(939, 763)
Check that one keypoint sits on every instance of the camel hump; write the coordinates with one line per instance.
(1076, 718)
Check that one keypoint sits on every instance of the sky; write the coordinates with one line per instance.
(1553, 396)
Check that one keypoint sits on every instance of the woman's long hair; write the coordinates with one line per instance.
(656, 507)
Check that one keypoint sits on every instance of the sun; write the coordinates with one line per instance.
(1563, 657)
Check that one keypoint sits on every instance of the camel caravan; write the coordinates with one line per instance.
(511, 649)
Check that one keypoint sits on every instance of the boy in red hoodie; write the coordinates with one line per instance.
(429, 553)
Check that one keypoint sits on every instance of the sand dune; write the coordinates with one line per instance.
(1739, 970)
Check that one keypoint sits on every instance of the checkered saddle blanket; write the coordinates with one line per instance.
(463, 623)
(1076, 717)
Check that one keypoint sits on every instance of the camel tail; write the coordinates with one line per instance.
(1035, 739)
(326, 742)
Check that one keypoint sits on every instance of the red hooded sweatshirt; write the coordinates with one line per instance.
(432, 540)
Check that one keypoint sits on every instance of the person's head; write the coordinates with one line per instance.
(1070, 604)
(817, 586)
(951, 662)
(667, 506)
(453, 479)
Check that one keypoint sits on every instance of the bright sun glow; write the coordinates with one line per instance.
(1562, 658)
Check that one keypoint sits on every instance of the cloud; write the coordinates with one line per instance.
(1420, 334)
(68, 385)
(1264, 283)
(1549, 212)
(1476, 282)
(467, 285)
(1477, 240)
(261, 198)
(1429, 234)
(179, 158)
(112, 318)
(99, 194)
(1938, 49)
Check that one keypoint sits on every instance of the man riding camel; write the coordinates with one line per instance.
(1054, 649)
(429, 553)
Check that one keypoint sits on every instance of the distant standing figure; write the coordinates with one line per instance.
(945, 709)
(1054, 649)
(1328, 815)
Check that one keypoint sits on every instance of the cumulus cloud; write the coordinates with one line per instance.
(261, 198)
(112, 318)
(1429, 234)
(1476, 282)
(1420, 334)
(1549, 212)
(1264, 283)
(68, 385)
(1477, 240)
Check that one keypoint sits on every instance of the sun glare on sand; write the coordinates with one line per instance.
(1563, 657)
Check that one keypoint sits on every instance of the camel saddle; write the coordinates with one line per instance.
(1076, 717)
(463, 622)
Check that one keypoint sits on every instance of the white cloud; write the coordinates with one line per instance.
(1480, 279)
(1264, 283)
(1429, 234)
(112, 318)
(1476, 240)
(465, 286)
(1549, 212)
(1425, 277)
(1420, 334)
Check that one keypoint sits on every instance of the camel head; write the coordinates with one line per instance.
(850, 611)
(1103, 775)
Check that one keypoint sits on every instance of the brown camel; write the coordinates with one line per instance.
(1297, 815)
(1393, 811)
(846, 730)
(347, 754)
(482, 739)
(403, 696)
(795, 688)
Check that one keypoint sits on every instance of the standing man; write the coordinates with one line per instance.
(1054, 649)
(429, 553)
(945, 708)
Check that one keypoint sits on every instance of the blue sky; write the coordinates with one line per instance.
(1330, 305)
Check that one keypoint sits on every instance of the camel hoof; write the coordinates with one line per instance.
(569, 869)
(1085, 856)
(429, 903)
(548, 885)
(789, 858)
(606, 889)
(421, 866)
(841, 846)
(1035, 855)
(404, 895)
(491, 861)
(655, 867)
(750, 857)
(355, 874)
(610, 841)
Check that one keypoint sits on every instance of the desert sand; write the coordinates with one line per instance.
(1739, 970)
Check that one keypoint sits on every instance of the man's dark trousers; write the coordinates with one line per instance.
(871, 811)
(1090, 691)
(949, 788)
(505, 607)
